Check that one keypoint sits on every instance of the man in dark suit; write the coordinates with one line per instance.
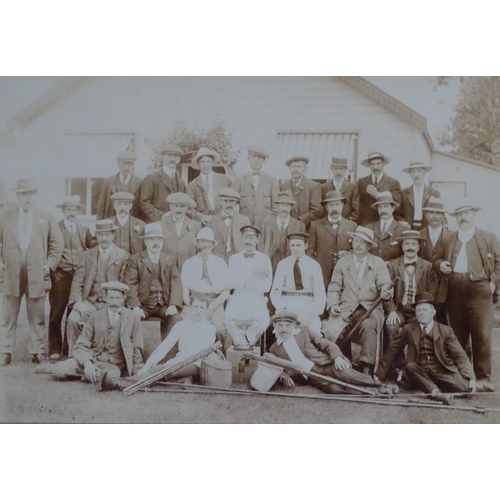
(371, 185)
(346, 188)
(159, 184)
(129, 229)
(124, 180)
(416, 197)
(469, 261)
(275, 229)
(155, 287)
(77, 239)
(386, 230)
(435, 359)
(329, 238)
(305, 192)
(203, 190)
(227, 225)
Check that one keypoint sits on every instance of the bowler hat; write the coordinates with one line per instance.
(181, 199)
(410, 234)
(250, 228)
(25, 185)
(374, 156)
(416, 164)
(229, 194)
(71, 201)
(424, 298)
(385, 197)
(333, 196)
(203, 151)
(167, 147)
(364, 233)
(339, 162)
(298, 236)
(206, 233)
(123, 196)
(285, 197)
(258, 150)
(105, 225)
(434, 206)
(115, 285)
(284, 315)
(297, 158)
(126, 156)
(462, 206)
(153, 230)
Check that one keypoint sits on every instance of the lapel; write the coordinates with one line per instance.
(135, 182)
(453, 242)
(171, 227)
(419, 268)
(415, 335)
(481, 242)
(101, 325)
(93, 255)
(327, 226)
(249, 179)
(185, 229)
(163, 262)
(147, 260)
(376, 229)
(14, 225)
(342, 226)
(113, 257)
(344, 190)
(37, 226)
(411, 197)
(427, 195)
(351, 267)
(166, 180)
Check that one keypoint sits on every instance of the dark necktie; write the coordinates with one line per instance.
(204, 272)
(224, 216)
(297, 276)
(409, 264)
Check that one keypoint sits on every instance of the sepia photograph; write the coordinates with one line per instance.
(249, 249)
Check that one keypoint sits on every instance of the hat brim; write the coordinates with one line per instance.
(194, 161)
(25, 190)
(418, 238)
(206, 239)
(407, 170)
(297, 158)
(290, 320)
(456, 212)
(324, 202)
(81, 206)
(363, 237)
(433, 302)
(366, 163)
(431, 209)
(157, 235)
(107, 229)
(394, 203)
(290, 202)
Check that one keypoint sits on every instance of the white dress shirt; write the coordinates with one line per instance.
(217, 272)
(169, 171)
(125, 180)
(256, 179)
(25, 227)
(418, 196)
(122, 220)
(334, 223)
(360, 265)
(70, 226)
(113, 316)
(337, 186)
(105, 253)
(280, 223)
(409, 281)
(427, 328)
(376, 179)
(434, 234)
(462, 264)
(294, 353)
(385, 224)
(155, 258)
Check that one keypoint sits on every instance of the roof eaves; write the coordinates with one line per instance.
(467, 160)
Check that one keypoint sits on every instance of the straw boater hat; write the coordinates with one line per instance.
(258, 150)
(433, 205)
(285, 197)
(181, 199)
(72, 201)
(115, 285)
(424, 298)
(364, 233)
(167, 147)
(333, 196)
(105, 225)
(126, 156)
(123, 196)
(25, 185)
(385, 197)
(229, 194)
(297, 158)
(462, 206)
(374, 156)
(206, 234)
(339, 162)
(250, 228)
(153, 230)
(298, 236)
(203, 151)
(410, 234)
(284, 315)
(416, 164)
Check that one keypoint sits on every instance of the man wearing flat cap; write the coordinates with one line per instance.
(157, 185)
(251, 276)
(180, 231)
(305, 192)
(276, 228)
(469, 263)
(227, 224)
(203, 190)
(416, 197)
(129, 229)
(257, 189)
(371, 185)
(99, 265)
(435, 359)
(123, 181)
(111, 342)
(31, 246)
(155, 288)
(347, 189)
(77, 239)
(329, 239)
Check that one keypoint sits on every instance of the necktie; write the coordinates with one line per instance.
(283, 226)
(72, 228)
(297, 276)
(204, 272)
(384, 228)
(359, 264)
(410, 264)
(256, 174)
(224, 216)
(249, 255)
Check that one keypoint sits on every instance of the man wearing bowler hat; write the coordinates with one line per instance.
(31, 246)
(372, 184)
(347, 189)
(469, 263)
(436, 231)
(155, 288)
(203, 190)
(159, 184)
(329, 239)
(435, 359)
(257, 189)
(123, 181)
(180, 231)
(129, 229)
(416, 197)
(99, 265)
(306, 192)
(77, 239)
(227, 224)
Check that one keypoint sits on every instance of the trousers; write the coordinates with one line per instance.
(428, 381)
(71, 367)
(349, 375)
(159, 312)
(76, 321)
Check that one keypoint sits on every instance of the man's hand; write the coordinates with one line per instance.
(206, 219)
(145, 369)
(46, 269)
(334, 312)
(90, 371)
(287, 381)
(77, 306)
(343, 253)
(166, 214)
(341, 363)
(445, 267)
(171, 310)
(473, 386)
(393, 319)
(404, 224)
(386, 293)
(372, 190)
(139, 312)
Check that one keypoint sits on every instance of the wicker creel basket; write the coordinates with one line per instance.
(216, 372)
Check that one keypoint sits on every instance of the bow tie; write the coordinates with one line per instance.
(256, 174)
(224, 216)
(408, 264)
(249, 255)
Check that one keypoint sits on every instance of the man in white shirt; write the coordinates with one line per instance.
(129, 229)
(206, 275)
(298, 284)
(251, 276)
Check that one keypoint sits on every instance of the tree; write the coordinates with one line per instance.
(474, 131)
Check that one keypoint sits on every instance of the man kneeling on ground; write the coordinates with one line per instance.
(111, 343)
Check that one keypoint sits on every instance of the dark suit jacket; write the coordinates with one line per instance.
(138, 276)
(314, 347)
(388, 248)
(197, 191)
(154, 191)
(92, 340)
(350, 192)
(136, 231)
(367, 214)
(448, 350)
(219, 228)
(308, 198)
(86, 239)
(110, 186)
(427, 251)
(424, 277)
(408, 204)
(489, 250)
(322, 242)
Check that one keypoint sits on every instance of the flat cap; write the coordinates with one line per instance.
(297, 158)
(258, 150)
(250, 228)
(167, 147)
(181, 199)
(122, 196)
(228, 193)
(126, 156)
(285, 315)
(298, 236)
(115, 285)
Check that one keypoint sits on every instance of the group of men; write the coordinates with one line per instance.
(324, 257)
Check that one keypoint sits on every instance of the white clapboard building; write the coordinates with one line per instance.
(68, 138)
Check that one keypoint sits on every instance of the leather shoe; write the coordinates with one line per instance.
(485, 386)
(108, 384)
(55, 357)
(4, 359)
(36, 359)
(446, 399)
